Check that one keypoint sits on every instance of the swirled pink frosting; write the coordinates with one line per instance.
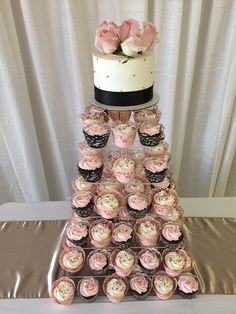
(97, 261)
(88, 287)
(187, 283)
(76, 231)
(90, 163)
(146, 115)
(80, 200)
(96, 110)
(87, 151)
(150, 128)
(166, 198)
(138, 202)
(135, 186)
(155, 164)
(149, 260)
(88, 118)
(159, 150)
(139, 284)
(122, 233)
(96, 129)
(171, 232)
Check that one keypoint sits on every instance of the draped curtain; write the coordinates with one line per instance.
(46, 82)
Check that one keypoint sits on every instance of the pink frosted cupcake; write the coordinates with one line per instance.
(140, 286)
(108, 204)
(149, 115)
(72, 260)
(124, 169)
(123, 261)
(109, 184)
(175, 215)
(149, 260)
(89, 152)
(165, 201)
(140, 171)
(171, 235)
(98, 261)
(124, 135)
(77, 232)
(150, 134)
(136, 185)
(79, 185)
(63, 291)
(96, 135)
(147, 231)
(88, 289)
(98, 111)
(89, 118)
(90, 169)
(115, 288)
(122, 235)
(160, 150)
(164, 285)
(187, 285)
(155, 169)
(138, 155)
(138, 205)
(82, 203)
(163, 185)
(100, 232)
(120, 116)
(177, 261)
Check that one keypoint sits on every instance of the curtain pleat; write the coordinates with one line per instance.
(46, 82)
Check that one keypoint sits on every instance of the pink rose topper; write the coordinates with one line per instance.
(128, 28)
(107, 40)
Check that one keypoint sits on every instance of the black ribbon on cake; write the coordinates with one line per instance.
(123, 98)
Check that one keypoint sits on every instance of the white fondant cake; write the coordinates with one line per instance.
(117, 73)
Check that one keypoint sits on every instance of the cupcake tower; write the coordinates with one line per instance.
(124, 235)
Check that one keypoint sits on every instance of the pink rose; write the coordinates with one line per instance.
(107, 40)
(149, 35)
(133, 45)
(128, 28)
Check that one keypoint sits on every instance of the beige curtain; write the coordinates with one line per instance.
(46, 82)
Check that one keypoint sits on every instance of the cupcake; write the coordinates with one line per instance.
(136, 185)
(108, 171)
(165, 201)
(138, 155)
(98, 111)
(89, 118)
(123, 169)
(147, 231)
(90, 169)
(149, 260)
(77, 232)
(108, 205)
(150, 134)
(187, 285)
(163, 185)
(72, 260)
(155, 169)
(140, 286)
(123, 261)
(88, 289)
(138, 205)
(140, 172)
(109, 184)
(176, 261)
(82, 203)
(79, 185)
(98, 261)
(119, 116)
(96, 135)
(171, 235)
(89, 152)
(175, 215)
(164, 285)
(115, 288)
(150, 115)
(63, 291)
(124, 135)
(100, 232)
(160, 150)
(122, 235)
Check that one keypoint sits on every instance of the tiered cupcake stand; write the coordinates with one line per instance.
(161, 214)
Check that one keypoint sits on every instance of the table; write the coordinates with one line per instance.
(194, 207)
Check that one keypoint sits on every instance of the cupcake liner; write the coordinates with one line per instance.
(111, 298)
(124, 140)
(144, 295)
(134, 213)
(178, 219)
(154, 241)
(85, 211)
(55, 284)
(120, 116)
(160, 295)
(121, 272)
(87, 299)
(104, 269)
(96, 141)
(155, 176)
(146, 270)
(92, 175)
(150, 140)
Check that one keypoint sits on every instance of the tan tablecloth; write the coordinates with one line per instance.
(29, 255)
